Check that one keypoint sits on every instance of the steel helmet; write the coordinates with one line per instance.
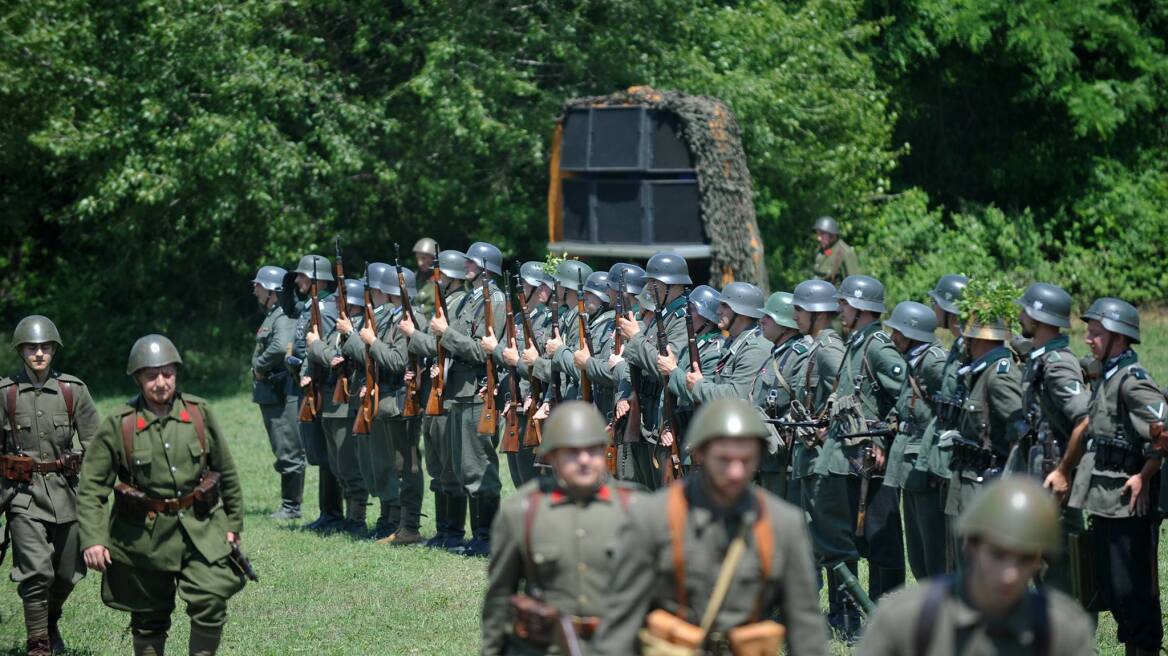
(388, 282)
(35, 329)
(1047, 303)
(915, 321)
(451, 264)
(863, 293)
(948, 291)
(729, 417)
(426, 246)
(1014, 512)
(704, 300)
(632, 276)
(533, 274)
(1116, 316)
(354, 291)
(669, 268)
(573, 424)
(597, 283)
(570, 273)
(270, 278)
(374, 272)
(994, 331)
(815, 296)
(826, 224)
(486, 256)
(780, 309)
(316, 267)
(152, 351)
(744, 298)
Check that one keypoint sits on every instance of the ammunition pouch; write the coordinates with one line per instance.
(971, 455)
(536, 623)
(1115, 454)
(133, 502)
(649, 395)
(21, 468)
(666, 634)
(948, 410)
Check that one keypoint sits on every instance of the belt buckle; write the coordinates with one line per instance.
(172, 505)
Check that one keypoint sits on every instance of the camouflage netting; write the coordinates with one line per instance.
(727, 201)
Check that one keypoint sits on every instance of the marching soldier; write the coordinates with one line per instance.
(866, 389)
(275, 392)
(43, 409)
(315, 269)
(555, 368)
(477, 466)
(666, 275)
(773, 391)
(337, 413)
(912, 327)
(393, 443)
(554, 539)
(815, 308)
(704, 302)
(1055, 400)
(1117, 479)
(989, 609)
(601, 324)
(717, 550)
(835, 260)
(426, 256)
(178, 507)
(449, 501)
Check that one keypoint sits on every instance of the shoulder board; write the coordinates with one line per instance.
(938, 351)
(1139, 373)
(678, 313)
(800, 348)
(1004, 366)
(191, 398)
(830, 337)
(1053, 356)
(123, 409)
(881, 336)
(5, 382)
(71, 379)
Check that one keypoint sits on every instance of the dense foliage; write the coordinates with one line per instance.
(154, 153)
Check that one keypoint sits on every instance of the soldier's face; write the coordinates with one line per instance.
(999, 576)
(1103, 343)
(592, 302)
(302, 283)
(729, 465)
(1028, 324)
(472, 269)
(424, 260)
(770, 329)
(803, 320)
(261, 294)
(940, 315)
(848, 314)
(901, 342)
(579, 469)
(38, 357)
(825, 239)
(158, 383)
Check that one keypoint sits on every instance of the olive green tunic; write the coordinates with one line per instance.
(774, 388)
(813, 386)
(926, 366)
(836, 262)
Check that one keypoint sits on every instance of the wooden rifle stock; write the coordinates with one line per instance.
(363, 424)
(672, 470)
(438, 383)
(531, 434)
(489, 418)
(583, 338)
(310, 406)
(412, 406)
(341, 391)
(510, 442)
(632, 430)
(557, 396)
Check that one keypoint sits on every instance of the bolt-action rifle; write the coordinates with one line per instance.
(584, 339)
(311, 403)
(438, 382)
(363, 424)
(341, 391)
(413, 402)
(510, 442)
(531, 434)
(489, 419)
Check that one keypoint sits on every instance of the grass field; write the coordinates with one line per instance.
(338, 596)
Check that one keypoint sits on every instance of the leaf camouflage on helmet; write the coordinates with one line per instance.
(988, 301)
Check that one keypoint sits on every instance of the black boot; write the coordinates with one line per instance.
(387, 521)
(291, 493)
(456, 515)
(331, 507)
(55, 639)
(441, 522)
(480, 544)
(474, 506)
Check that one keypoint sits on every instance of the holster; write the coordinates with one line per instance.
(206, 494)
(533, 621)
(1116, 454)
(21, 468)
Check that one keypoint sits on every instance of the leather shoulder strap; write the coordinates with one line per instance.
(10, 408)
(200, 428)
(764, 541)
(676, 509)
(67, 397)
(1039, 605)
(935, 596)
(128, 427)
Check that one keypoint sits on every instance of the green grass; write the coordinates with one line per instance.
(337, 596)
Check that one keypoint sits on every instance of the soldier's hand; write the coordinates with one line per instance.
(622, 408)
(367, 335)
(344, 325)
(552, 345)
(666, 363)
(489, 342)
(510, 356)
(1139, 495)
(438, 325)
(545, 409)
(666, 437)
(628, 326)
(305, 380)
(337, 361)
(311, 337)
(692, 377)
(406, 326)
(434, 371)
(580, 359)
(97, 558)
(530, 355)
(615, 359)
(1056, 482)
(232, 536)
(878, 457)
(408, 376)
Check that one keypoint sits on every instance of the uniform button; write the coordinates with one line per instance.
(582, 599)
(167, 445)
(180, 513)
(582, 567)
(40, 413)
(579, 532)
(42, 433)
(174, 469)
(538, 558)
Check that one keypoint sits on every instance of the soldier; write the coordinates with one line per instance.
(555, 535)
(835, 260)
(1055, 400)
(449, 502)
(666, 274)
(315, 269)
(556, 368)
(393, 445)
(275, 392)
(704, 303)
(338, 411)
(815, 308)
(1117, 478)
(38, 478)
(866, 388)
(477, 466)
(675, 544)
(912, 327)
(601, 324)
(773, 392)
(425, 254)
(1007, 528)
(178, 507)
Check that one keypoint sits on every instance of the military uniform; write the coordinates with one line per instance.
(156, 554)
(275, 392)
(710, 350)
(424, 299)
(40, 422)
(1123, 407)
(813, 387)
(774, 389)
(521, 464)
(835, 262)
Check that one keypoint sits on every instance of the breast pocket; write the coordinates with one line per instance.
(23, 425)
(196, 451)
(64, 428)
(546, 560)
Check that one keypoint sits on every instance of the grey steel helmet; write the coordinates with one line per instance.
(948, 291)
(533, 274)
(863, 293)
(354, 291)
(573, 425)
(569, 273)
(632, 275)
(780, 308)
(451, 264)
(705, 299)
(270, 278)
(915, 321)
(152, 351)
(744, 298)
(1116, 316)
(993, 331)
(669, 268)
(1047, 303)
(426, 246)
(826, 224)
(597, 283)
(1014, 512)
(732, 418)
(487, 256)
(815, 296)
(387, 283)
(35, 329)
(323, 269)
(374, 271)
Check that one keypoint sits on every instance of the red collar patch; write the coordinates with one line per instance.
(141, 423)
(827, 251)
(184, 416)
(604, 493)
(558, 496)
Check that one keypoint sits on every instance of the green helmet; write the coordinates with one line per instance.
(1014, 512)
(316, 266)
(426, 246)
(570, 273)
(1047, 303)
(35, 329)
(826, 224)
(779, 308)
(1116, 316)
(724, 418)
(152, 351)
(573, 425)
